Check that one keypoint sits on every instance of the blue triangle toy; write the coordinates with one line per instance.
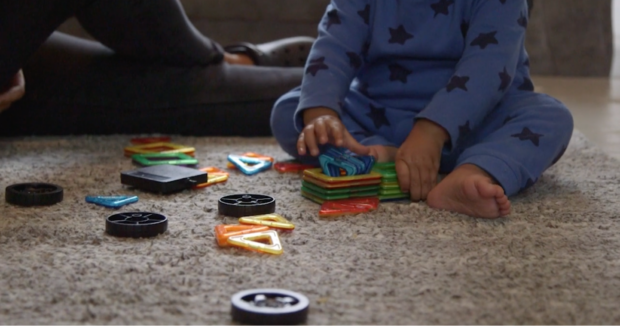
(111, 201)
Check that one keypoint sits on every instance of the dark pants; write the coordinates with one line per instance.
(150, 72)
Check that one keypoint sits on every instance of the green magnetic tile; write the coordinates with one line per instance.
(393, 197)
(338, 191)
(389, 186)
(389, 180)
(312, 197)
(392, 192)
(340, 196)
(386, 174)
(150, 159)
(387, 170)
(341, 185)
(387, 199)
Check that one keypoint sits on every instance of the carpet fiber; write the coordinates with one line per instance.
(555, 260)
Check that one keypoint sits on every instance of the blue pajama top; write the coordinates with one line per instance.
(389, 62)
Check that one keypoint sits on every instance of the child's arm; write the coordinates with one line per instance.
(335, 57)
(494, 43)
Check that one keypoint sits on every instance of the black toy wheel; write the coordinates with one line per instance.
(246, 205)
(136, 224)
(33, 194)
(269, 307)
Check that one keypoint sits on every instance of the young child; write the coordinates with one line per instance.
(437, 86)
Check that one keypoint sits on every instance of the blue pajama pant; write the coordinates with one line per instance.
(524, 135)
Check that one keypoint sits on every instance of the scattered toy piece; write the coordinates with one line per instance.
(111, 201)
(230, 165)
(269, 307)
(159, 148)
(214, 175)
(136, 224)
(272, 220)
(150, 140)
(348, 206)
(163, 179)
(292, 166)
(249, 165)
(225, 231)
(150, 159)
(264, 242)
(33, 194)
(246, 205)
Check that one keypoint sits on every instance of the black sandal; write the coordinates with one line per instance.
(287, 52)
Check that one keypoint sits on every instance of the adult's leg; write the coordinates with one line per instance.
(76, 86)
(154, 30)
(25, 25)
(149, 30)
(164, 79)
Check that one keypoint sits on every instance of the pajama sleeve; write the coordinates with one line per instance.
(336, 56)
(486, 70)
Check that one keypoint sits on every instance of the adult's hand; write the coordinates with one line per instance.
(15, 91)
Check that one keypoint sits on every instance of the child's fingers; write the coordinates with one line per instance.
(336, 132)
(415, 183)
(301, 144)
(428, 181)
(354, 146)
(374, 153)
(402, 174)
(321, 132)
(310, 140)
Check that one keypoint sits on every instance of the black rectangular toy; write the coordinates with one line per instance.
(163, 179)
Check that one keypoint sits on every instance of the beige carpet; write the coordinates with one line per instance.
(555, 260)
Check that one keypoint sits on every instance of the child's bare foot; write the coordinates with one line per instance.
(470, 190)
(382, 153)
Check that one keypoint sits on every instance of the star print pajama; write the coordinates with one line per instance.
(383, 64)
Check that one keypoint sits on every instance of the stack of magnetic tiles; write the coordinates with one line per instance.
(388, 188)
(341, 176)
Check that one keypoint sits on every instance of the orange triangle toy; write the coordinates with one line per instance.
(225, 231)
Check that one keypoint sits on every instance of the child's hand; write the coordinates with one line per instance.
(417, 160)
(324, 126)
(15, 91)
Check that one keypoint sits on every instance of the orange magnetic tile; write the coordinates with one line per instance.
(341, 207)
(225, 231)
(214, 175)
